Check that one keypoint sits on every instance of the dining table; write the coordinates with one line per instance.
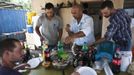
(52, 70)
(41, 70)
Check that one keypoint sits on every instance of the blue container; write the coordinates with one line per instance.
(12, 20)
(30, 28)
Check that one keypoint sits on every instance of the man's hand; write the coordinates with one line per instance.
(22, 66)
(67, 28)
(42, 39)
(69, 39)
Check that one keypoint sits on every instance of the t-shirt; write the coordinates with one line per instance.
(8, 71)
(50, 28)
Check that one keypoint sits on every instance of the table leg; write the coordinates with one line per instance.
(63, 72)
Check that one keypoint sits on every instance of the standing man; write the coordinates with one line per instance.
(81, 30)
(11, 53)
(119, 31)
(51, 26)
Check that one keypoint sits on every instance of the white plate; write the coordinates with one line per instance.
(34, 62)
(86, 71)
(22, 71)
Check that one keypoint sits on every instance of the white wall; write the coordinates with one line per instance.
(37, 4)
(67, 17)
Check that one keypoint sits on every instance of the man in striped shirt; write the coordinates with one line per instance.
(119, 31)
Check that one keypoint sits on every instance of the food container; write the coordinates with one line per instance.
(60, 65)
(30, 28)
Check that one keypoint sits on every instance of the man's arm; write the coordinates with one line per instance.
(78, 35)
(111, 30)
(38, 32)
(98, 41)
(60, 28)
(60, 33)
(71, 38)
(70, 33)
(68, 30)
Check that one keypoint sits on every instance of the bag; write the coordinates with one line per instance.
(130, 69)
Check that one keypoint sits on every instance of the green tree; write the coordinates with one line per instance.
(25, 3)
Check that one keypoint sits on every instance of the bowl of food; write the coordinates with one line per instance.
(46, 64)
(60, 64)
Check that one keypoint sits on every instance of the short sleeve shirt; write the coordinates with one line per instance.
(50, 28)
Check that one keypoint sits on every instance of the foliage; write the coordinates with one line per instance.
(25, 3)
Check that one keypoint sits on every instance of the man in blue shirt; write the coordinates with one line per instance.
(11, 52)
(119, 31)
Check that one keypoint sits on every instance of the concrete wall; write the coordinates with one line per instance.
(37, 4)
(67, 17)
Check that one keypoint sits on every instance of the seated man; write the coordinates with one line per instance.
(11, 53)
(81, 30)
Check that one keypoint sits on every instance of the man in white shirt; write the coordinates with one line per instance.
(81, 30)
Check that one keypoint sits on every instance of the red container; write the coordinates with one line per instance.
(47, 55)
(133, 51)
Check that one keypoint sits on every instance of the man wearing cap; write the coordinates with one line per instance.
(51, 26)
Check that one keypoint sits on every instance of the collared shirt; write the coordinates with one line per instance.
(119, 29)
(86, 26)
(50, 28)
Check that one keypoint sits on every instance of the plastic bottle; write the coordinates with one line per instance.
(46, 52)
(47, 55)
(43, 52)
(27, 52)
(116, 61)
(60, 49)
(27, 55)
(85, 47)
(117, 54)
